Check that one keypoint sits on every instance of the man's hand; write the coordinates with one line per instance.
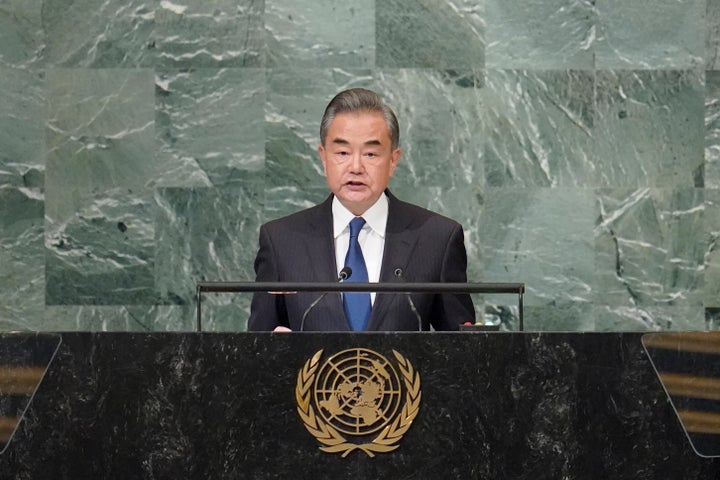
(282, 329)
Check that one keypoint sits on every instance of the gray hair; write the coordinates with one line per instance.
(360, 100)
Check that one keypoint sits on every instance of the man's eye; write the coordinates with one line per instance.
(370, 155)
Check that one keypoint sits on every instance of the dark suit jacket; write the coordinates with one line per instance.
(424, 245)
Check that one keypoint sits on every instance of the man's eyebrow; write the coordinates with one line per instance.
(342, 141)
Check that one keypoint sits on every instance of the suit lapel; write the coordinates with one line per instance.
(399, 243)
(320, 244)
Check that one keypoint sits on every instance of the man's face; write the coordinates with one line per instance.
(358, 159)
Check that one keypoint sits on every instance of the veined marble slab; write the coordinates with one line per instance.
(21, 34)
(663, 34)
(209, 125)
(541, 34)
(320, 33)
(142, 144)
(430, 34)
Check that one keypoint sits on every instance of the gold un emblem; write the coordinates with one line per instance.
(358, 393)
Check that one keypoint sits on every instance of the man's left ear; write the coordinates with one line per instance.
(396, 154)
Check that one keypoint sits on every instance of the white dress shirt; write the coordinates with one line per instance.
(371, 238)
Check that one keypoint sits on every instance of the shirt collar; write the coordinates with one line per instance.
(375, 216)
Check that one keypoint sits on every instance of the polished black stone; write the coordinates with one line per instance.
(494, 405)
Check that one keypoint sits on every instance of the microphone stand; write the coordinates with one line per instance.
(344, 275)
(399, 274)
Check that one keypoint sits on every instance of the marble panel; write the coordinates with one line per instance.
(712, 35)
(712, 129)
(648, 128)
(665, 34)
(464, 204)
(227, 312)
(99, 216)
(104, 253)
(562, 317)
(209, 126)
(22, 136)
(211, 33)
(430, 34)
(154, 165)
(21, 33)
(99, 230)
(98, 33)
(615, 318)
(117, 318)
(22, 201)
(539, 128)
(206, 234)
(100, 135)
(320, 33)
(650, 247)
(711, 260)
(541, 237)
(22, 258)
(540, 34)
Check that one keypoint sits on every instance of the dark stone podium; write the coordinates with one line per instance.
(494, 406)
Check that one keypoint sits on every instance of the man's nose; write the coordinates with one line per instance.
(356, 164)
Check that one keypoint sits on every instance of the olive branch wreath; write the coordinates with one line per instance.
(386, 440)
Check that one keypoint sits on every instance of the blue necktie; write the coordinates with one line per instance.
(357, 305)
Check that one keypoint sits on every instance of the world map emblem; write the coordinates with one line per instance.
(358, 400)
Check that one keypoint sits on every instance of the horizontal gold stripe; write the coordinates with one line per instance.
(19, 380)
(699, 342)
(691, 386)
(700, 422)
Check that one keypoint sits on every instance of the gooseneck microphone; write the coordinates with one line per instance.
(399, 274)
(342, 276)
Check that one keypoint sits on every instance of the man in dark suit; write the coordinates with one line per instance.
(362, 225)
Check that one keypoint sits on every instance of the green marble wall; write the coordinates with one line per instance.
(142, 144)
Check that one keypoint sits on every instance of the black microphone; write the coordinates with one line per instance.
(342, 276)
(399, 274)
